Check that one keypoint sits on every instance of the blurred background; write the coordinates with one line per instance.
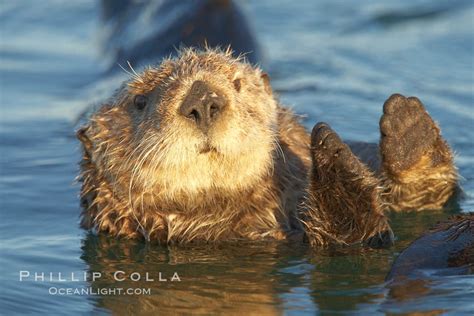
(335, 61)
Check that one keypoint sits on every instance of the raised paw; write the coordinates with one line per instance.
(407, 134)
(343, 202)
(417, 163)
(329, 150)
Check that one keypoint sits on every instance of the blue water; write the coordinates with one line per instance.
(336, 61)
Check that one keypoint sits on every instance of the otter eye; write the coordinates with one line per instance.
(140, 101)
(237, 84)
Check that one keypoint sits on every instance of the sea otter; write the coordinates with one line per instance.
(199, 148)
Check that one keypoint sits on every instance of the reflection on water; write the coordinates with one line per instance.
(263, 278)
(251, 277)
(336, 61)
(228, 277)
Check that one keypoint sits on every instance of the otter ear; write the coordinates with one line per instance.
(81, 134)
(266, 82)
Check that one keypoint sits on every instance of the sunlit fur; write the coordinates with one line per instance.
(144, 171)
(425, 186)
(152, 173)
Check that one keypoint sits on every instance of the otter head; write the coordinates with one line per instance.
(202, 122)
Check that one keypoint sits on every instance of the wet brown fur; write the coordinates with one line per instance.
(145, 175)
(417, 164)
(344, 204)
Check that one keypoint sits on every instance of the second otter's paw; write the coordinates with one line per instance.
(343, 204)
(408, 134)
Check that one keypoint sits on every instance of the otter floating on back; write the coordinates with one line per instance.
(199, 148)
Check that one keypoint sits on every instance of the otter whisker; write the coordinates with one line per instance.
(138, 148)
(136, 75)
(276, 142)
(136, 169)
(138, 78)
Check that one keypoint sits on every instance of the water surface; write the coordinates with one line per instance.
(336, 61)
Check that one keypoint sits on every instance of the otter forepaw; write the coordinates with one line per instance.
(407, 135)
(417, 163)
(343, 203)
(328, 149)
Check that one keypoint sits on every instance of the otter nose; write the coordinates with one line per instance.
(202, 104)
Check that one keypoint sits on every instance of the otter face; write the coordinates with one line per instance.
(202, 121)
